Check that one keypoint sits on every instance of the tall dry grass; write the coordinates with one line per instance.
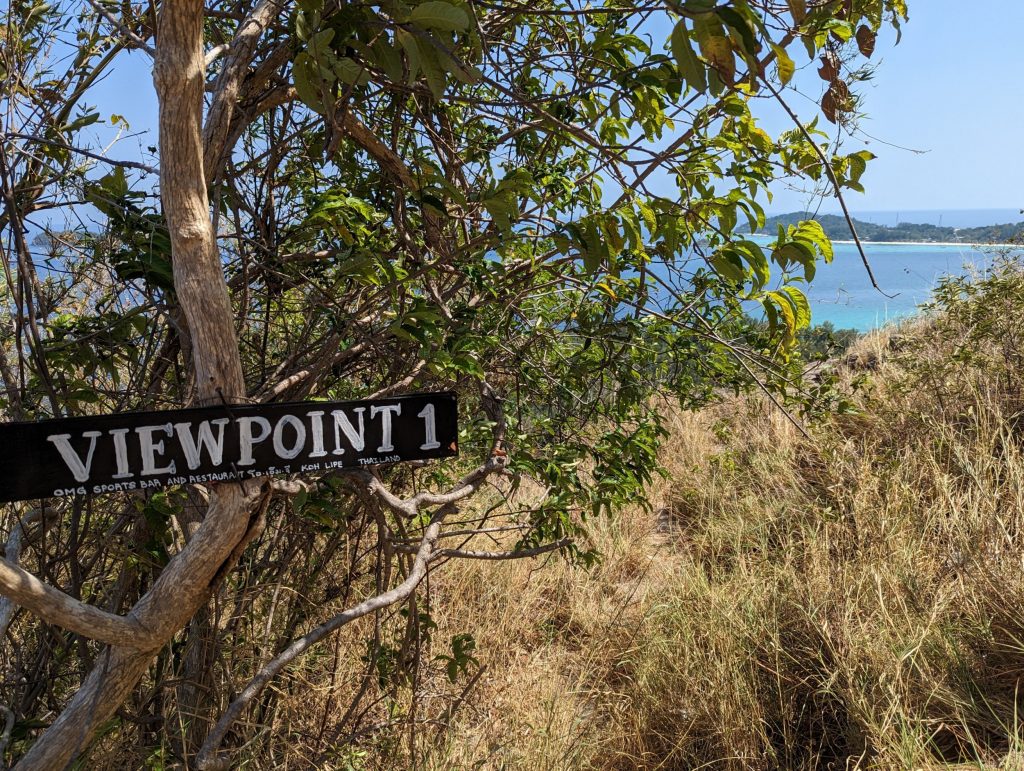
(852, 600)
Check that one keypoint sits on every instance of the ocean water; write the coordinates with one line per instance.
(841, 292)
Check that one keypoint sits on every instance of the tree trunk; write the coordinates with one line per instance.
(202, 293)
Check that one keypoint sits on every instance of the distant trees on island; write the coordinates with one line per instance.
(837, 228)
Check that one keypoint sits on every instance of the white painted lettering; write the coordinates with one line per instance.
(317, 430)
(79, 469)
(150, 449)
(300, 437)
(385, 418)
(343, 424)
(193, 448)
(430, 443)
(247, 441)
(120, 452)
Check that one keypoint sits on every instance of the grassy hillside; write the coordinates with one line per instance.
(852, 600)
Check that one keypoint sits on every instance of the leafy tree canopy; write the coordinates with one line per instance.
(535, 203)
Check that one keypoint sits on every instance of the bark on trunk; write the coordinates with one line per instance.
(202, 293)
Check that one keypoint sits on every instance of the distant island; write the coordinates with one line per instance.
(838, 229)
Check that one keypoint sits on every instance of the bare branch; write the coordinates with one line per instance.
(56, 607)
(121, 27)
(514, 554)
(229, 83)
(5, 738)
(424, 553)
(80, 151)
(215, 53)
(12, 553)
(410, 507)
(207, 754)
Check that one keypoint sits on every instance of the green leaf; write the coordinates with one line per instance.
(386, 57)
(787, 312)
(592, 247)
(437, 14)
(810, 230)
(690, 68)
(433, 71)
(412, 51)
(319, 48)
(114, 184)
(784, 63)
(350, 71)
(81, 122)
(307, 79)
(799, 253)
(716, 48)
(306, 23)
(503, 208)
(754, 256)
(742, 28)
(647, 214)
(801, 308)
(728, 265)
(859, 163)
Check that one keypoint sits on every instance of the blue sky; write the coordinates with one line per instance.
(952, 88)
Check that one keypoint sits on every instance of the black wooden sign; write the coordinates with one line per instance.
(144, 450)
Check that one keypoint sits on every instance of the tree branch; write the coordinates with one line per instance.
(56, 607)
(123, 28)
(206, 760)
(467, 554)
(87, 153)
(424, 552)
(835, 184)
(229, 83)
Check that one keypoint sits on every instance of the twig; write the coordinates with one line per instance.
(136, 41)
(835, 185)
(80, 151)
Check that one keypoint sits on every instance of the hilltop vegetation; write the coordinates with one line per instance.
(354, 200)
(837, 228)
(845, 601)
(848, 600)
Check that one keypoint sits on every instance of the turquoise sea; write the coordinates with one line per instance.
(842, 293)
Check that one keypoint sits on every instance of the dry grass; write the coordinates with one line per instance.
(851, 601)
(855, 601)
